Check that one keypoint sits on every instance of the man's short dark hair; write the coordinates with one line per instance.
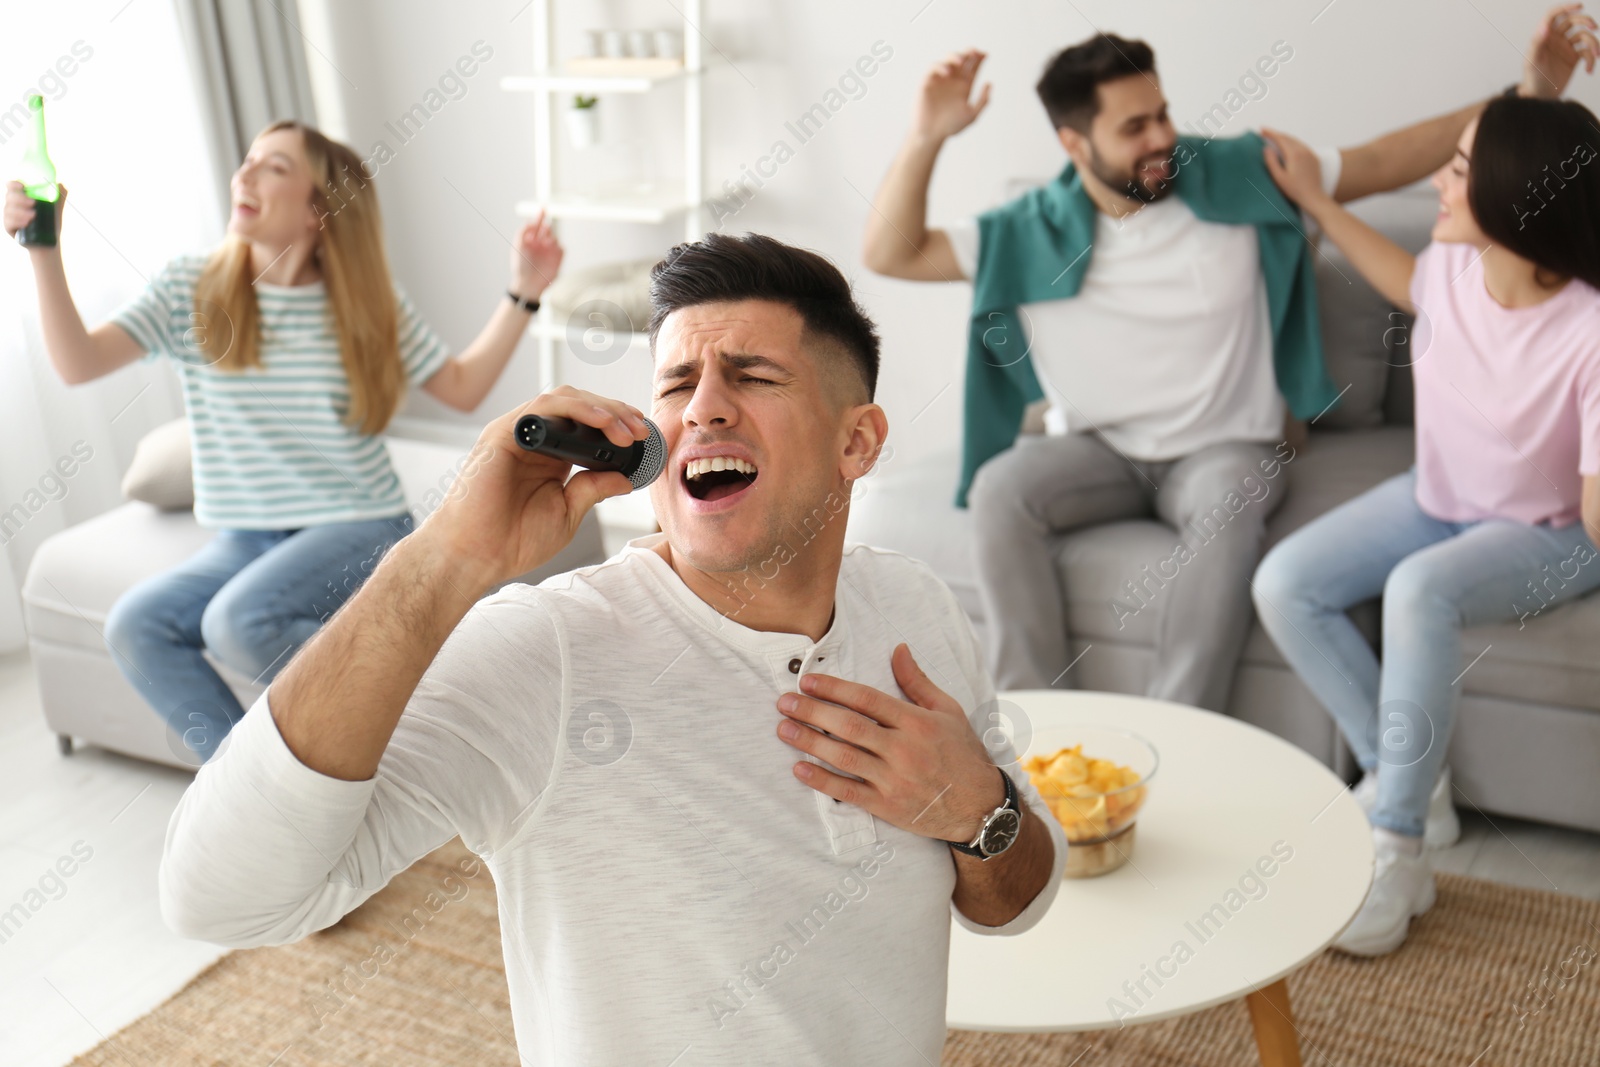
(723, 267)
(1070, 85)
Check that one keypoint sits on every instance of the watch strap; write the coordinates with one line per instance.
(525, 305)
(972, 848)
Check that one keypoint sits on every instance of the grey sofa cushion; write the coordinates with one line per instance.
(1354, 318)
(1549, 659)
(1098, 563)
(1363, 335)
(1334, 467)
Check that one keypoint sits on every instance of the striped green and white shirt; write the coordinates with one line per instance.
(270, 451)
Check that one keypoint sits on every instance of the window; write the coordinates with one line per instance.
(125, 135)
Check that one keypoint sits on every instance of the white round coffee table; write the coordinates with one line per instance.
(1250, 857)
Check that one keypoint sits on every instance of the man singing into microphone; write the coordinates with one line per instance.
(726, 782)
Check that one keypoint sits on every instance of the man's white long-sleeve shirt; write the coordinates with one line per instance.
(668, 891)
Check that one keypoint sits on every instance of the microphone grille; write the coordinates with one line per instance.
(652, 460)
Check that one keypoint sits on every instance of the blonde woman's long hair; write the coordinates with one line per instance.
(355, 271)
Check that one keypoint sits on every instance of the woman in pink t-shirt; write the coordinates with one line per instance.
(1498, 519)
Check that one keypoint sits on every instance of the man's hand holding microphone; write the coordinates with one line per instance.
(512, 508)
(509, 510)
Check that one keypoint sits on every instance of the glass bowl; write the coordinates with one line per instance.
(1098, 819)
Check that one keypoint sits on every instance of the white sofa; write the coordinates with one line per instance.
(79, 573)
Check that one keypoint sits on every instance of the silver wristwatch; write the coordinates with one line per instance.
(1000, 827)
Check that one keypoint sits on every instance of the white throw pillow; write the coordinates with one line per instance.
(611, 296)
(162, 471)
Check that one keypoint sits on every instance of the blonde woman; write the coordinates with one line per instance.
(295, 350)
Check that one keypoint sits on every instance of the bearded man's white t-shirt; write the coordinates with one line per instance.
(1167, 347)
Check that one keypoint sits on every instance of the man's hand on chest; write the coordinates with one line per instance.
(922, 768)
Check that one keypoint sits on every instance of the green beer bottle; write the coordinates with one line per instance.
(38, 179)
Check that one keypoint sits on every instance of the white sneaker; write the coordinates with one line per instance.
(1443, 827)
(1402, 888)
(1366, 791)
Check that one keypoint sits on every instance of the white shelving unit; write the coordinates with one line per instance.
(552, 86)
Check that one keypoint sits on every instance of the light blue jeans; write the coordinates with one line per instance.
(1436, 578)
(251, 597)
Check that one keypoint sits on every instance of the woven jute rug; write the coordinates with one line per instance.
(1491, 976)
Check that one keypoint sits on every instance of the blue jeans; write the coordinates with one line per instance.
(1436, 577)
(252, 597)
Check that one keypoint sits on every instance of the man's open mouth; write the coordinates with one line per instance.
(718, 477)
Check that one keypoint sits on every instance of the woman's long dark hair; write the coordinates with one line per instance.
(1534, 184)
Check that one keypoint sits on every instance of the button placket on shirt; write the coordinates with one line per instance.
(848, 826)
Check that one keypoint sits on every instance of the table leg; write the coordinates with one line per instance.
(1273, 1020)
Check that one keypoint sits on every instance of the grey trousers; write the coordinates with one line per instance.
(1026, 499)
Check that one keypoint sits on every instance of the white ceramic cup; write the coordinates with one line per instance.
(614, 44)
(669, 44)
(640, 43)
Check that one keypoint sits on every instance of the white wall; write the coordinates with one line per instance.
(1359, 67)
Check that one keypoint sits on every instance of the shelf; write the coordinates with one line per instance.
(678, 201)
(651, 206)
(596, 75)
(625, 66)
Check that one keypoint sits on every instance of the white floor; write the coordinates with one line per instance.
(94, 955)
(1527, 854)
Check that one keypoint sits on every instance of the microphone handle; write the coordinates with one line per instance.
(583, 446)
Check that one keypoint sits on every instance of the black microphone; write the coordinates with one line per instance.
(585, 446)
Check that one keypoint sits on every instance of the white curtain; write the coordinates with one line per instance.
(249, 67)
(127, 141)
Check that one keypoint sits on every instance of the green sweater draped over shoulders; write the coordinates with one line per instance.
(1038, 247)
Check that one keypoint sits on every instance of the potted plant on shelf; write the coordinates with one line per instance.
(583, 121)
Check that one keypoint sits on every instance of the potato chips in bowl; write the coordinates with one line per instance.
(1095, 780)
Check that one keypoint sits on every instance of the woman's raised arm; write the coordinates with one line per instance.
(77, 353)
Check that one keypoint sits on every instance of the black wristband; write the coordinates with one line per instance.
(529, 306)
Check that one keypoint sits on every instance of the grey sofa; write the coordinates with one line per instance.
(1527, 739)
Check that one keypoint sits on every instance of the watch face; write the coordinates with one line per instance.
(1000, 832)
